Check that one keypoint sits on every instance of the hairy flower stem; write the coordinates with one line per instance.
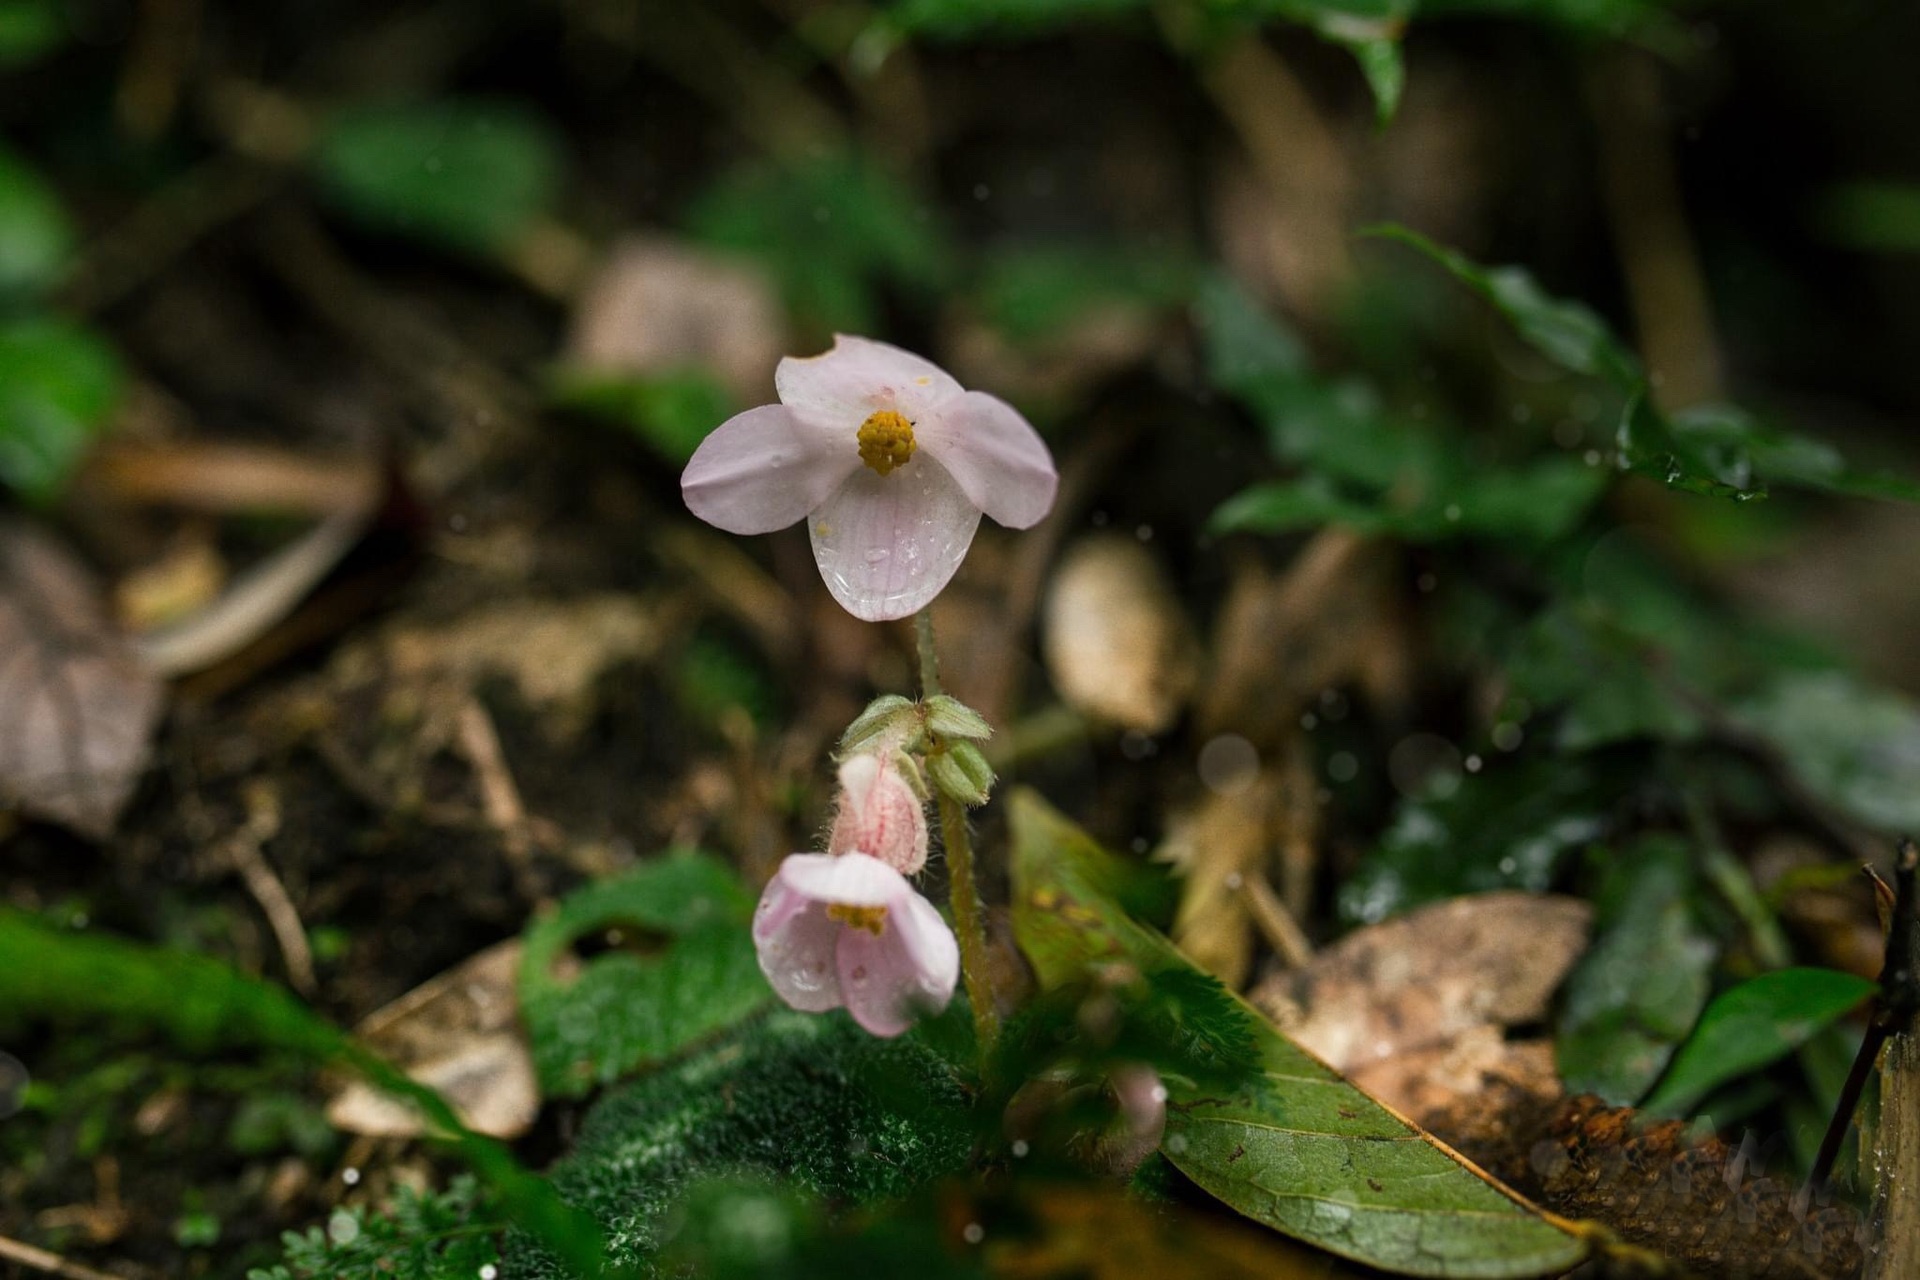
(969, 915)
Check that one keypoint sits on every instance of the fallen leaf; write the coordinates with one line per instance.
(1215, 847)
(1412, 1009)
(658, 306)
(458, 1033)
(1118, 644)
(79, 706)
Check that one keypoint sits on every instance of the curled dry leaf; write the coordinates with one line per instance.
(459, 1033)
(78, 704)
(1413, 1009)
(1118, 645)
(1216, 847)
(659, 306)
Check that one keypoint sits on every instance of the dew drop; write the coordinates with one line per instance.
(876, 554)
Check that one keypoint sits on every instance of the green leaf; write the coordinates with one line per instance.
(29, 29)
(1616, 18)
(1752, 1025)
(1299, 1149)
(962, 19)
(1568, 659)
(1508, 828)
(672, 412)
(808, 1099)
(1879, 217)
(63, 975)
(1033, 292)
(470, 175)
(58, 383)
(1567, 333)
(1642, 984)
(35, 236)
(1856, 747)
(624, 1009)
(835, 231)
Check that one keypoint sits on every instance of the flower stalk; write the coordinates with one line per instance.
(969, 913)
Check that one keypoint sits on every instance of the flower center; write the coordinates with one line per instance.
(886, 441)
(872, 919)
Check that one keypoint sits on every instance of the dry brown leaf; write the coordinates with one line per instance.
(460, 1034)
(657, 305)
(1215, 847)
(1118, 645)
(79, 706)
(1411, 1009)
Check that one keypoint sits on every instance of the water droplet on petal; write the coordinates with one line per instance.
(877, 554)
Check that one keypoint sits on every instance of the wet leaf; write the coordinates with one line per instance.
(1640, 988)
(35, 236)
(1510, 827)
(693, 972)
(79, 706)
(1755, 1023)
(471, 175)
(58, 383)
(1300, 1150)
(1855, 746)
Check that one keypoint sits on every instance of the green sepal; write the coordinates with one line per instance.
(962, 773)
(951, 719)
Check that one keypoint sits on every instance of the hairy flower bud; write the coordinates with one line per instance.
(880, 811)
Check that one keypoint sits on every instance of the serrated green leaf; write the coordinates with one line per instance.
(1753, 1024)
(58, 383)
(1641, 986)
(449, 1235)
(35, 236)
(1300, 1149)
(807, 1098)
(623, 1009)
(470, 175)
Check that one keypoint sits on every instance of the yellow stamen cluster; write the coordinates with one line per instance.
(872, 919)
(886, 441)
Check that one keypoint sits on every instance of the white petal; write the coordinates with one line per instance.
(886, 545)
(995, 455)
(851, 879)
(763, 469)
(910, 968)
(838, 389)
(796, 940)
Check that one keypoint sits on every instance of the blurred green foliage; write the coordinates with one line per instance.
(469, 175)
(36, 238)
(681, 966)
(445, 1235)
(58, 383)
(29, 29)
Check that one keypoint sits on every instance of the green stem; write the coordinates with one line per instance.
(969, 915)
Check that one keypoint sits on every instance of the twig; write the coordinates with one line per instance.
(1275, 922)
(244, 852)
(499, 796)
(48, 1263)
(1666, 288)
(1893, 1015)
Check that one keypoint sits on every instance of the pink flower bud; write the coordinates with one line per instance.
(850, 931)
(879, 814)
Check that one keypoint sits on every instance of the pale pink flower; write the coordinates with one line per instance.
(890, 462)
(849, 930)
(879, 814)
